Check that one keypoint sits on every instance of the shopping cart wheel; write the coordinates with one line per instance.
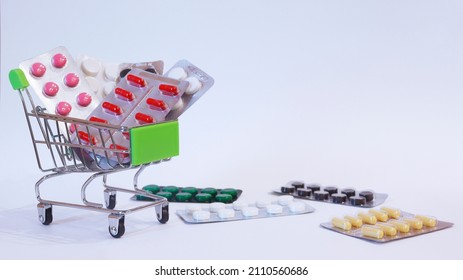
(163, 215)
(110, 199)
(116, 225)
(45, 213)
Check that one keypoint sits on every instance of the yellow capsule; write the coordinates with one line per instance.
(387, 229)
(367, 218)
(400, 226)
(372, 232)
(380, 215)
(414, 223)
(391, 212)
(354, 221)
(427, 221)
(341, 223)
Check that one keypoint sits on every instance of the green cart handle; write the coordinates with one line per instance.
(18, 79)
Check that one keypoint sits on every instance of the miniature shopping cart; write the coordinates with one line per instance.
(50, 136)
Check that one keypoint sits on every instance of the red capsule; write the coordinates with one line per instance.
(112, 108)
(119, 147)
(84, 137)
(126, 135)
(125, 94)
(144, 118)
(158, 104)
(135, 80)
(168, 89)
(98, 120)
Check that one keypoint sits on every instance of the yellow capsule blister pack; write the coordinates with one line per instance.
(385, 224)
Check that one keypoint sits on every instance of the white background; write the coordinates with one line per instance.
(363, 94)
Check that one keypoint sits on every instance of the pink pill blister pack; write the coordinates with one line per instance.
(59, 84)
(198, 83)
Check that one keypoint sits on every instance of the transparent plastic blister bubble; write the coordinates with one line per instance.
(198, 83)
(155, 67)
(191, 194)
(220, 212)
(385, 224)
(59, 84)
(332, 194)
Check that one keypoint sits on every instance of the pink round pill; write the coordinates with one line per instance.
(84, 99)
(59, 60)
(50, 89)
(71, 80)
(38, 69)
(63, 108)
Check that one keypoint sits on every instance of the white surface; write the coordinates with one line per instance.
(364, 94)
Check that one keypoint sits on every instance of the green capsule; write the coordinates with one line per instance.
(142, 198)
(183, 196)
(167, 195)
(154, 189)
(225, 198)
(230, 191)
(203, 197)
(172, 189)
(191, 190)
(211, 191)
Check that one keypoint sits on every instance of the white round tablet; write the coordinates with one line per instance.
(226, 213)
(93, 83)
(178, 105)
(250, 211)
(192, 208)
(111, 71)
(91, 66)
(274, 209)
(238, 205)
(177, 73)
(193, 86)
(285, 200)
(297, 207)
(201, 215)
(108, 87)
(262, 203)
(216, 206)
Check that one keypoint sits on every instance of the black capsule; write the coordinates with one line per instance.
(331, 190)
(313, 188)
(369, 196)
(287, 189)
(321, 195)
(357, 200)
(304, 192)
(339, 198)
(348, 192)
(297, 184)
(151, 70)
(124, 72)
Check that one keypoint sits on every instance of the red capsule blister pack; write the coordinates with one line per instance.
(198, 83)
(59, 84)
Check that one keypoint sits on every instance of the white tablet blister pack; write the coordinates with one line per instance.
(221, 212)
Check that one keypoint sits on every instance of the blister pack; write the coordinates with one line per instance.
(191, 194)
(198, 83)
(103, 76)
(220, 212)
(331, 194)
(386, 224)
(58, 82)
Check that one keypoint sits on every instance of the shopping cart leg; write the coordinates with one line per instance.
(162, 213)
(45, 213)
(110, 198)
(116, 225)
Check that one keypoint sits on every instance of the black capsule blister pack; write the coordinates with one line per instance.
(332, 194)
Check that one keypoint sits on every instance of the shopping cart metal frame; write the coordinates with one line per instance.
(78, 156)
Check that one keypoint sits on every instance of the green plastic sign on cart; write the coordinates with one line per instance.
(154, 142)
(18, 79)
